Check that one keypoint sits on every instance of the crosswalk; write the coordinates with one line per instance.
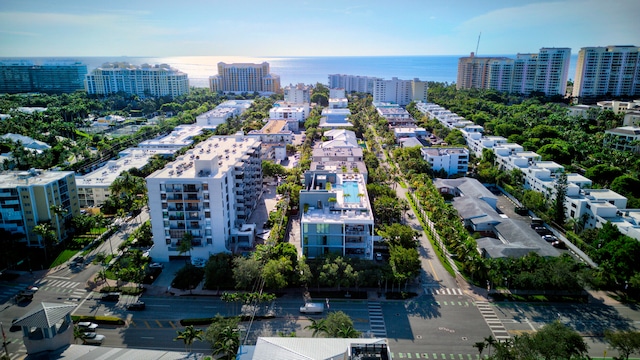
(376, 319)
(490, 317)
(72, 289)
(442, 291)
(435, 356)
(7, 291)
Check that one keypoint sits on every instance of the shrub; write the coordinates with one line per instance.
(105, 320)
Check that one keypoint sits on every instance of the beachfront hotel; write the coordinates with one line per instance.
(244, 77)
(209, 193)
(545, 72)
(26, 198)
(144, 80)
(609, 70)
(337, 216)
(56, 77)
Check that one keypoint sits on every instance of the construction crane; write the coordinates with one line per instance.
(478, 44)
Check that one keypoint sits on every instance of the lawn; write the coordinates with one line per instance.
(63, 257)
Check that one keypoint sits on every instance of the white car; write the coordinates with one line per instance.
(87, 326)
(156, 265)
(198, 262)
(92, 338)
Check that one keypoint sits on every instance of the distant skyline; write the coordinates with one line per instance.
(262, 28)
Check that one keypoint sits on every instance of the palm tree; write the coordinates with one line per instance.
(186, 244)
(480, 346)
(491, 342)
(45, 230)
(347, 331)
(189, 335)
(227, 343)
(318, 326)
(58, 211)
(77, 333)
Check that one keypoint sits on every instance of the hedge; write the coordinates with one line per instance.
(208, 321)
(126, 290)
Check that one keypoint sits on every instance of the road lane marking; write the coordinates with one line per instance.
(172, 325)
(435, 275)
(147, 337)
(159, 323)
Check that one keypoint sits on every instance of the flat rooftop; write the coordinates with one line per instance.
(225, 151)
(105, 175)
(12, 179)
(180, 137)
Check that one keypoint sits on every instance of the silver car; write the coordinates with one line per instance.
(91, 338)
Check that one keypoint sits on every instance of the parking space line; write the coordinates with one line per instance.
(159, 323)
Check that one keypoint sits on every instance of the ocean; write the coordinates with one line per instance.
(309, 70)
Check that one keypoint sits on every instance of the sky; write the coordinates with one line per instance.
(30, 28)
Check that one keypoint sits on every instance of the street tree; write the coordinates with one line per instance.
(189, 335)
(626, 342)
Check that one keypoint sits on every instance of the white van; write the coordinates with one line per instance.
(312, 308)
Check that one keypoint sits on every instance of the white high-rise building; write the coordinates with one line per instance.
(400, 92)
(297, 94)
(352, 83)
(610, 70)
(208, 193)
(546, 72)
(144, 80)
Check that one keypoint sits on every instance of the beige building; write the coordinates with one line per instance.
(244, 77)
(26, 198)
(144, 80)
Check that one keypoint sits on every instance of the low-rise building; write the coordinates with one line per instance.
(275, 135)
(625, 138)
(337, 216)
(454, 161)
(335, 118)
(93, 188)
(180, 137)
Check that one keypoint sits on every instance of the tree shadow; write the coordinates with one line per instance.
(424, 306)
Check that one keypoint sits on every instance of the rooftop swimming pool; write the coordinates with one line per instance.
(350, 188)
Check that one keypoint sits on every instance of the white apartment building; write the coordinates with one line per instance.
(144, 80)
(244, 77)
(275, 135)
(396, 116)
(401, 92)
(337, 93)
(608, 70)
(546, 72)
(26, 198)
(337, 216)
(289, 112)
(210, 193)
(454, 161)
(180, 137)
(93, 188)
(338, 103)
(222, 112)
(297, 94)
(335, 118)
(351, 83)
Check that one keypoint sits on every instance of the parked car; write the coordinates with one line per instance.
(156, 266)
(138, 305)
(88, 326)
(541, 230)
(113, 296)
(559, 244)
(549, 238)
(312, 308)
(92, 338)
(378, 256)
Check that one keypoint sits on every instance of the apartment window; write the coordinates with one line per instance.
(168, 241)
(322, 228)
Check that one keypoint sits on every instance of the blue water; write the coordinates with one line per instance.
(311, 70)
(351, 188)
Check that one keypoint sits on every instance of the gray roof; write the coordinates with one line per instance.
(45, 315)
(494, 248)
(520, 232)
(269, 348)
(89, 352)
(467, 186)
(470, 208)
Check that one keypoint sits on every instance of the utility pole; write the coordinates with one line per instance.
(4, 341)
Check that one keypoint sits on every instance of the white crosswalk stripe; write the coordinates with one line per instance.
(490, 317)
(59, 286)
(376, 319)
(442, 291)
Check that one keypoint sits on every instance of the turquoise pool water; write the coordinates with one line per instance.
(351, 188)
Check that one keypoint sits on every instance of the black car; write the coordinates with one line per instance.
(138, 305)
